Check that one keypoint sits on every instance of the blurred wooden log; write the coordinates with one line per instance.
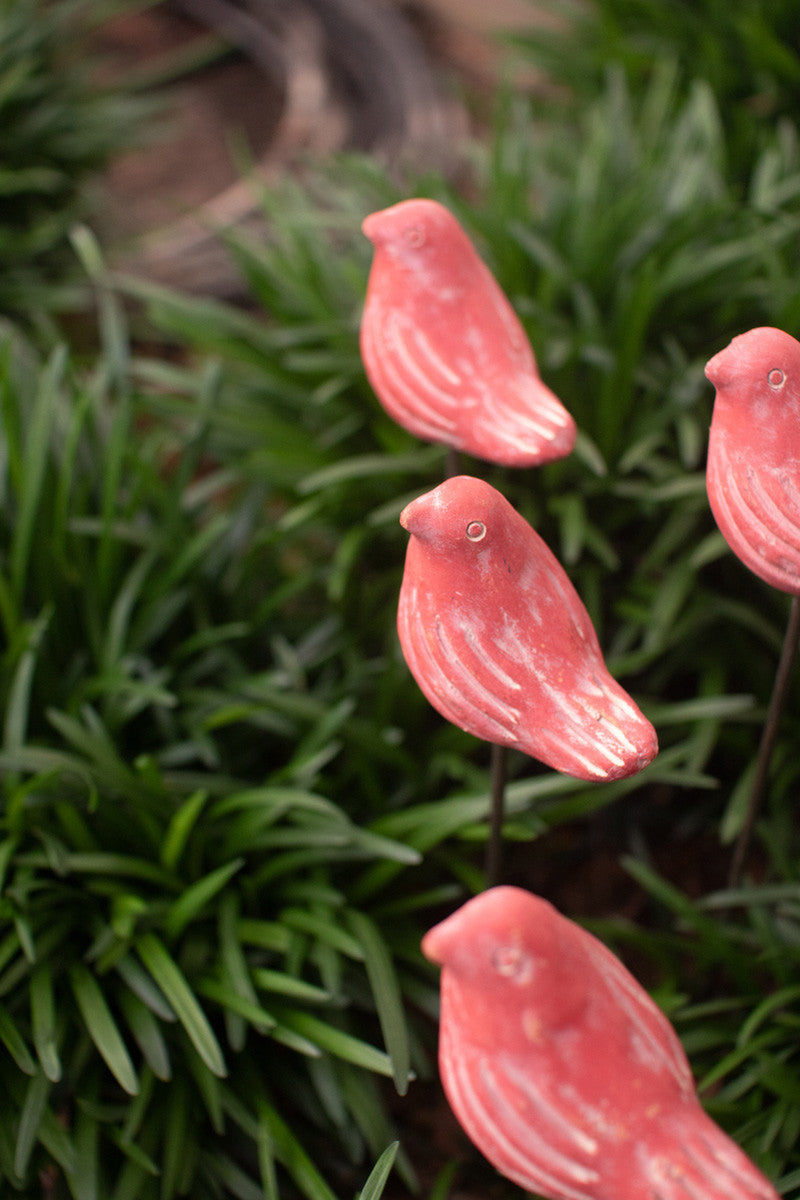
(352, 74)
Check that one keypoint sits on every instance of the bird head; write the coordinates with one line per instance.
(463, 515)
(500, 940)
(761, 363)
(419, 235)
(511, 966)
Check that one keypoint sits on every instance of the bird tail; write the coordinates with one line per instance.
(604, 732)
(705, 1165)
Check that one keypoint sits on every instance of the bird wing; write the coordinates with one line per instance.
(526, 1130)
(651, 1039)
(518, 412)
(511, 409)
(481, 393)
(414, 383)
(460, 678)
(760, 510)
(579, 719)
(503, 686)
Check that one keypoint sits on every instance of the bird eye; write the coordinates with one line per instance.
(476, 530)
(512, 963)
(415, 236)
(776, 378)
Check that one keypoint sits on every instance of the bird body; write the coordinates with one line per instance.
(563, 1071)
(500, 643)
(753, 472)
(443, 348)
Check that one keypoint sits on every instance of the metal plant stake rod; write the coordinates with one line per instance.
(753, 480)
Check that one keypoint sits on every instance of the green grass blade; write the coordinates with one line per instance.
(19, 695)
(336, 1041)
(420, 462)
(290, 1152)
(142, 985)
(376, 1181)
(209, 1090)
(782, 998)
(170, 979)
(180, 828)
(102, 1027)
(323, 928)
(43, 1021)
(386, 991)
(14, 1043)
(147, 1034)
(32, 468)
(282, 984)
(235, 968)
(56, 1141)
(30, 1119)
(84, 1180)
(266, 1152)
(184, 910)
(228, 998)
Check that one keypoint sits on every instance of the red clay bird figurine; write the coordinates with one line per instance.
(563, 1071)
(500, 643)
(753, 473)
(444, 349)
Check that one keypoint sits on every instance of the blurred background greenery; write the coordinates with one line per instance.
(228, 813)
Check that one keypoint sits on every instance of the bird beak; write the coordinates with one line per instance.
(418, 516)
(716, 372)
(411, 516)
(375, 226)
(448, 941)
(434, 944)
(442, 943)
(723, 369)
(386, 226)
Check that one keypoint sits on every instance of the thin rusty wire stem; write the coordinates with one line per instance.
(452, 463)
(780, 689)
(494, 846)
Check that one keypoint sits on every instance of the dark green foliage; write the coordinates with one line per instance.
(632, 255)
(747, 53)
(58, 128)
(228, 812)
(190, 1000)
